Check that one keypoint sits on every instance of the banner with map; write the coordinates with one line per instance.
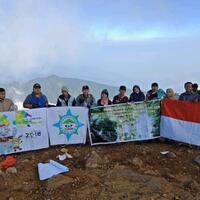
(124, 122)
(67, 125)
(23, 131)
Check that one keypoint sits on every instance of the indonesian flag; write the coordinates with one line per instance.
(180, 120)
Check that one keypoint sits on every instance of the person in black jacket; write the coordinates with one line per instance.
(65, 99)
(104, 101)
(137, 95)
(85, 99)
(121, 97)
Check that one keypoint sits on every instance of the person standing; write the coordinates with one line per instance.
(85, 99)
(65, 99)
(170, 94)
(137, 95)
(155, 92)
(5, 103)
(121, 97)
(36, 99)
(189, 95)
(195, 88)
(104, 100)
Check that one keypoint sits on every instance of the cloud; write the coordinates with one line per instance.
(115, 42)
(35, 35)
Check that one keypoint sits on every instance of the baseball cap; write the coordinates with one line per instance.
(36, 85)
(85, 87)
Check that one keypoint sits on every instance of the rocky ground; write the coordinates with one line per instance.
(122, 171)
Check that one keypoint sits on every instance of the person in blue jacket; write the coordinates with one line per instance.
(36, 99)
(189, 95)
(137, 95)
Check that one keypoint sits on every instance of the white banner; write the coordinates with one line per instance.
(67, 125)
(23, 131)
(8, 138)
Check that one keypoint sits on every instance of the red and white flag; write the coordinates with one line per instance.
(180, 120)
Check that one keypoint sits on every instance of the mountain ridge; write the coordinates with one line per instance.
(51, 87)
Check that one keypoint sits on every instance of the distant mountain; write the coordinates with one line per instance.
(51, 87)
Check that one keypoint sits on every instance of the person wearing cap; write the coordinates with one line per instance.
(104, 100)
(155, 93)
(5, 103)
(65, 99)
(121, 97)
(36, 99)
(137, 95)
(85, 99)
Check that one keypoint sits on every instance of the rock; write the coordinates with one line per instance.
(10, 198)
(76, 153)
(25, 183)
(171, 155)
(27, 188)
(64, 150)
(58, 181)
(137, 162)
(144, 153)
(189, 151)
(156, 184)
(170, 176)
(17, 187)
(187, 182)
(46, 153)
(11, 170)
(119, 167)
(152, 173)
(76, 182)
(94, 160)
(25, 161)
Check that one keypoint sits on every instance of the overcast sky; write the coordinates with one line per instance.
(108, 41)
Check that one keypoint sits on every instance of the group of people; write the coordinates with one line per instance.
(38, 100)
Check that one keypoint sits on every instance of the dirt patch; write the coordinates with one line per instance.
(122, 171)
